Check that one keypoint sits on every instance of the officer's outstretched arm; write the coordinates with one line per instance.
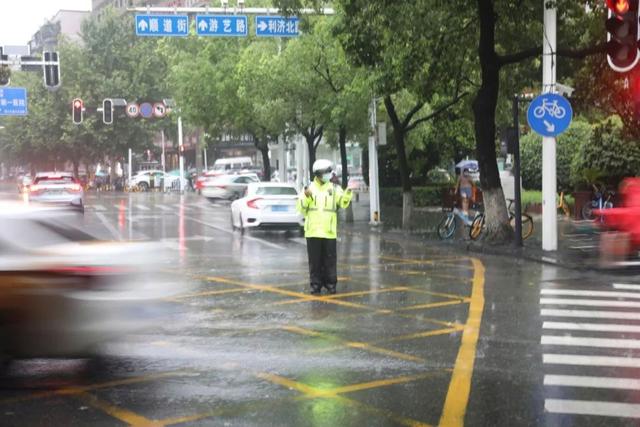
(303, 203)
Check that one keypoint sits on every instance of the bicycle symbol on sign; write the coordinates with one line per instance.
(551, 108)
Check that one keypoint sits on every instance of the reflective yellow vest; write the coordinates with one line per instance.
(320, 211)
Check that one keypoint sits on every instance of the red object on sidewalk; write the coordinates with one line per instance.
(627, 217)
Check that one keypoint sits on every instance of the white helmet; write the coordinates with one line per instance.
(322, 166)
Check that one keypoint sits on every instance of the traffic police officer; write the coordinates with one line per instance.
(319, 205)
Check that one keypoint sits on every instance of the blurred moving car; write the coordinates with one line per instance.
(227, 187)
(357, 183)
(63, 292)
(60, 188)
(267, 205)
(149, 179)
(230, 165)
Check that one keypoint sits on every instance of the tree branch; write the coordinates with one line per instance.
(436, 112)
(564, 52)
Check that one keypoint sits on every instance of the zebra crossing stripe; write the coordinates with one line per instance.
(604, 327)
(592, 382)
(626, 286)
(589, 407)
(590, 314)
(589, 342)
(586, 360)
(588, 302)
(165, 208)
(142, 207)
(98, 208)
(571, 292)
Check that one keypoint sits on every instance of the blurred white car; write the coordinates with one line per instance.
(267, 205)
(63, 292)
(228, 187)
(59, 188)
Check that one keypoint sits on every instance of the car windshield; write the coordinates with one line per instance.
(276, 191)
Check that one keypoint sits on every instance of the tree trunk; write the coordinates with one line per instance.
(405, 179)
(310, 138)
(76, 167)
(266, 163)
(407, 209)
(484, 112)
(342, 140)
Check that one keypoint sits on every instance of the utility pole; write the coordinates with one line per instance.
(374, 192)
(180, 151)
(163, 158)
(549, 184)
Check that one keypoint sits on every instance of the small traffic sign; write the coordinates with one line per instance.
(162, 25)
(146, 110)
(277, 26)
(133, 110)
(13, 101)
(159, 110)
(221, 25)
(549, 114)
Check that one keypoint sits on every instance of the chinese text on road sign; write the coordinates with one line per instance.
(549, 114)
(221, 25)
(277, 26)
(162, 25)
(13, 101)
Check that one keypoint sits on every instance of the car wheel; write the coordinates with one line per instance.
(143, 186)
(233, 225)
(241, 225)
(301, 231)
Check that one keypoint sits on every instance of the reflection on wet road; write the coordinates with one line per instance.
(415, 336)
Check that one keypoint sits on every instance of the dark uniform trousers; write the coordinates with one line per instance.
(322, 263)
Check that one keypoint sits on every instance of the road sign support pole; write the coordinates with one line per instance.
(549, 210)
(374, 192)
(180, 153)
(163, 157)
(516, 171)
(129, 166)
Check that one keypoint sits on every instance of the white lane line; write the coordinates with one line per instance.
(626, 286)
(226, 230)
(582, 293)
(166, 208)
(606, 327)
(589, 302)
(592, 382)
(589, 407)
(97, 208)
(108, 226)
(184, 206)
(142, 208)
(299, 240)
(125, 207)
(584, 360)
(589, 342)
(590, 314)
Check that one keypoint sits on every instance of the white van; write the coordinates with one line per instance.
(230, 165)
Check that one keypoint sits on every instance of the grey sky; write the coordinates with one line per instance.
(19, 20)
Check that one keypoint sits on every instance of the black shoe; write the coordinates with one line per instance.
(315, 291)
(332, 291)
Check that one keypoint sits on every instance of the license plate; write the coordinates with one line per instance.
(279, 208)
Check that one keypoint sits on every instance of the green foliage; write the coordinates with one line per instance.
(422, 196)
(568, 144)
(608, 156)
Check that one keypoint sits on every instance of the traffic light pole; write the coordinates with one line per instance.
(180, 152)
(374, 192)
(549, 184)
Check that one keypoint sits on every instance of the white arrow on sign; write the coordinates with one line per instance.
(262, 26)
(203, 25)
(142, 25)
(550, 126)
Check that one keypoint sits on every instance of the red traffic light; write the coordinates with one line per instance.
(619, 7)
(77, 110)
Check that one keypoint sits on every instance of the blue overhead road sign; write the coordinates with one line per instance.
(221, 25)
(277, 26)
(162, 25)
(13, 101)
(549, 114)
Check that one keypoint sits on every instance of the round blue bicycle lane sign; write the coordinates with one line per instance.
(549, 114)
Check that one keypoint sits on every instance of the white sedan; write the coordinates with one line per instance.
(267, 205)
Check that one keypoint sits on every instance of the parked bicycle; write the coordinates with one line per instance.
(449, 223)
(478, 224)
(600, 199)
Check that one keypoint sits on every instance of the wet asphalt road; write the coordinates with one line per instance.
(417, 335)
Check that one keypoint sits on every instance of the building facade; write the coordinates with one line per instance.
(67, 23)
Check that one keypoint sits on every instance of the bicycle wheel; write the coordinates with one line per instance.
(475, 230)
(587, 211)
(447, 227)
(527, 224)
